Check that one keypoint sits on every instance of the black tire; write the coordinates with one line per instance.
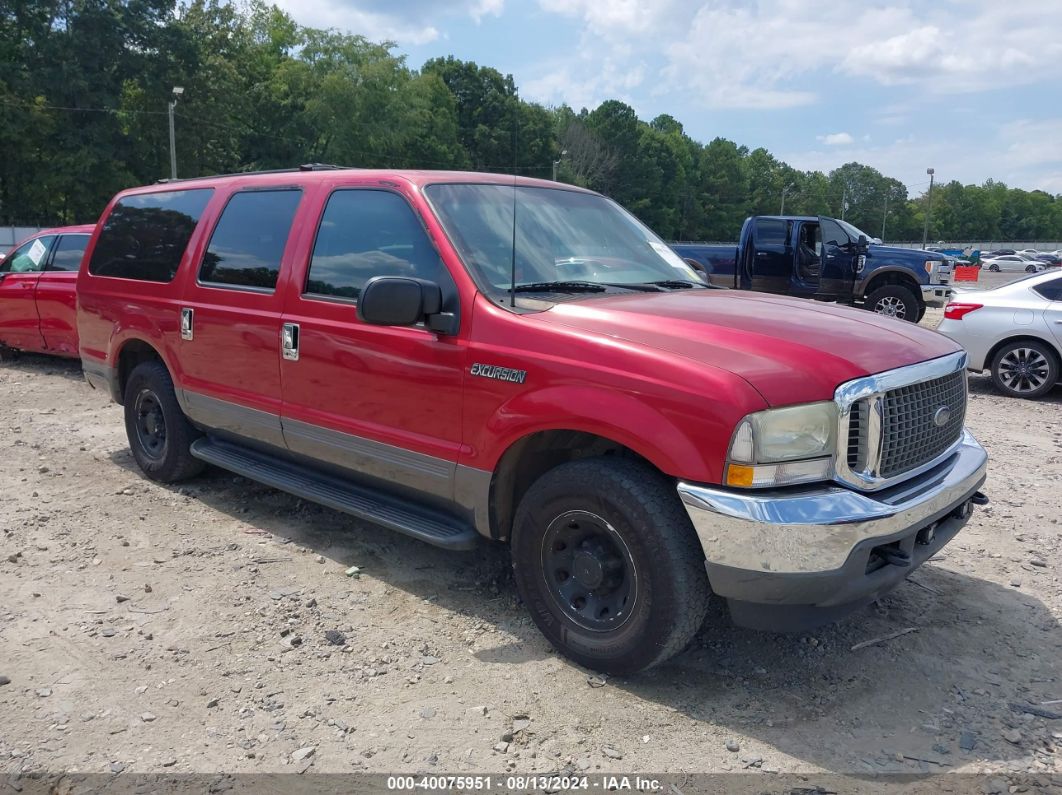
(1025, 369)
(159, 434)
(994, 268)
(1030, 269)
(894, 300)
(627, 512)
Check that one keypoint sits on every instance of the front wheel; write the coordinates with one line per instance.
(1030, 269)
(1025, 369)
(994, 268)
(893, 300)
(607, 562)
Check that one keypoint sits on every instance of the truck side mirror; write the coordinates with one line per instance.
(862, 243)
(404, 301)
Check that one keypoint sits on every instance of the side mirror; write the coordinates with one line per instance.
(862, 243)
(697, 266)
(404, 301)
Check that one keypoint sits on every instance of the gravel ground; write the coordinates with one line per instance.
(212, 626)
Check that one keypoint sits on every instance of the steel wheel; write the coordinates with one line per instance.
(1024, 370)
(891, 306)
(589, 571)
(150, 424)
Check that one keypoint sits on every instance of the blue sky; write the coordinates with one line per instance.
(972, 88)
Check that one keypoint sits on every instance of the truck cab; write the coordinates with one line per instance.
(826, 259)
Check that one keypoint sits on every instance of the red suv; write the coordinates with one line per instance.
(459, 356)
(37, 300)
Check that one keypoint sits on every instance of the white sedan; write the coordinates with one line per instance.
(1015, 331)
(1015, 263)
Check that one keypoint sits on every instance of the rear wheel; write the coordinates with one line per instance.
(894, 300)
(160, 436)
(607, 562)
(1025, 369)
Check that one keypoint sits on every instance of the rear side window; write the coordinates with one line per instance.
(145, 235)
(366, 233)
(772, 232)
(1051, 290)
(68, 253)
(248, 241)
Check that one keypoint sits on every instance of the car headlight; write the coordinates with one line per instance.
(783, 446)
(933, 266)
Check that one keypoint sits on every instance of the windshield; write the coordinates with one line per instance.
(560, 236)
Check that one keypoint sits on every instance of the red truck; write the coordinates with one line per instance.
(38, 313)
(461, 356)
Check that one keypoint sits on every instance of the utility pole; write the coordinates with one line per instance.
(784, 190)
(884, 216)
(929, 209)
(177, 91)
(557, 162)
(844, 202)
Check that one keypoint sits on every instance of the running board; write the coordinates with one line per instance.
(433, 527)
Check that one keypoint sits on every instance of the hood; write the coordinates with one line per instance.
(910, 254)
(791, 350)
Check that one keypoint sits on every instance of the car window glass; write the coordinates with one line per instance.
(1051, 290)
(248, 242)
(772, 232)
(68, 253)
(29, 257)
(366, 233)
(145, 235)
(832, 233)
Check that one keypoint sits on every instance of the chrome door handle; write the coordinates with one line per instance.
(289, 342)
(187, 323)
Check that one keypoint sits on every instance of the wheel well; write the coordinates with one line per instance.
(133, 353)
(1026, 338)
(894, 277)
(531, 457)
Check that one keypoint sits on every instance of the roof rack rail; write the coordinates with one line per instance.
(303, 167)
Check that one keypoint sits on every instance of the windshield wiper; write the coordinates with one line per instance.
(560, 287)
(675, 284)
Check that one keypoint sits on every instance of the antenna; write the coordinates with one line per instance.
(512, 263)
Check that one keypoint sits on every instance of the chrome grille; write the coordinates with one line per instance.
(909, 435)
(887, 431)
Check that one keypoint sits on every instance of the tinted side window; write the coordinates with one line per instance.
(68, 253)
(772, 232)
(145, 235)
(28, 258)
(248, 241)
(366, 233)
(1051, 290)
(832, 233)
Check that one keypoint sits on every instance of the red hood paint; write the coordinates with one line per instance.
(791, 350)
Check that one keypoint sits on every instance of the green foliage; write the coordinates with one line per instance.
(84, 87)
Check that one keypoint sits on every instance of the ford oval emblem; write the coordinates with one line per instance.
(941, 416)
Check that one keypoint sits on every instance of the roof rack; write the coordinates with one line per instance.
(303, 167)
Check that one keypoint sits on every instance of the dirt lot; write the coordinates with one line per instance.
(190, 629)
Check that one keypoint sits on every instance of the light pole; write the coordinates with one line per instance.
(929, 209)
(884, 216)
(781, 211)
(177, 91)
(557, 162)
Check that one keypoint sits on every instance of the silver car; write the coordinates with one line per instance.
(1012, 262)
(1015, 331)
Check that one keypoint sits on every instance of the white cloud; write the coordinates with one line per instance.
(410, 23)
(837, 139)
(765, 55)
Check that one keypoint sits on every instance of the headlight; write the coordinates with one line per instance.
(783, 446)
(933, 265)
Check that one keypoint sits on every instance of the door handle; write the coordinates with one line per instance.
(289, 342)
(761, 253)
(187, 323)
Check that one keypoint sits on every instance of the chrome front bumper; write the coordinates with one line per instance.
(936, 293)
(815, 530)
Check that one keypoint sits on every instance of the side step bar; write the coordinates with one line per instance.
(434, 527)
